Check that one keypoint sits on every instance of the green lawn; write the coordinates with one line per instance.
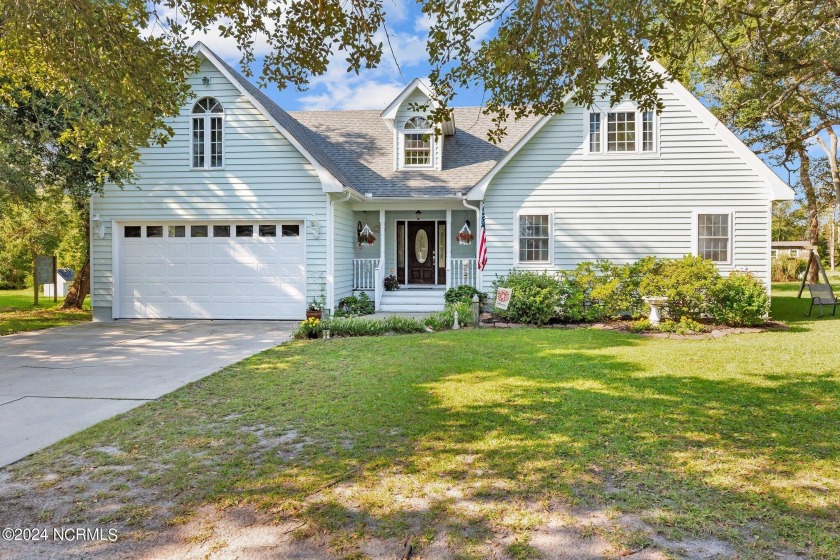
(18, 312)
(461, 437)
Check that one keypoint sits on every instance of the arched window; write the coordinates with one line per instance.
(417, 144)
(207, 134)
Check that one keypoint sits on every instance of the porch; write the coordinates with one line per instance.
(427, 252)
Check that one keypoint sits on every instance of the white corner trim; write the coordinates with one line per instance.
(328, 182)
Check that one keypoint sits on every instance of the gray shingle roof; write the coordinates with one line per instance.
(291, 125)
(357, 147)
(363, 145)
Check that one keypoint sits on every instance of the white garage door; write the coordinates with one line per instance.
(212, 271)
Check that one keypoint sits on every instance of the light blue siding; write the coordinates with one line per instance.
(624, 207)
(264, 178)
(345, 245)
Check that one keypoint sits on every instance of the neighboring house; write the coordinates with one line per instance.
(252, 212)
(791, 249)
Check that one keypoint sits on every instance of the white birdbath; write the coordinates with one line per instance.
(656, 304)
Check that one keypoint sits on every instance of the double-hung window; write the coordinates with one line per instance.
(534, 238)
(621, 131)
(714, 236)
(418, 143)
(207, 134)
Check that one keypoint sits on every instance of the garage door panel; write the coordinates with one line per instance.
(213, 278)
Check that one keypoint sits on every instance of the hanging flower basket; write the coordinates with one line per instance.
(366, 236)
(465, 238)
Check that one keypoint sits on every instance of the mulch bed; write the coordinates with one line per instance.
(710, 330)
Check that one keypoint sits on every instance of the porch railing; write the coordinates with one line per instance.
(464, 271)
(364, 274)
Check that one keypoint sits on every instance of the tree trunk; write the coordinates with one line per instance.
(811, 206)
(79, 290)
(77, 293)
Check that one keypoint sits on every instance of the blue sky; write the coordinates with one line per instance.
(371, 89)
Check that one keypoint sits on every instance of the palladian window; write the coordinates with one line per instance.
(207, 134)
(418, 142)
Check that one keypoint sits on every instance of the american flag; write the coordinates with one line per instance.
(482, 243)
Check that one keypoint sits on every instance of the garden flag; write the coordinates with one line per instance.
(482, 243)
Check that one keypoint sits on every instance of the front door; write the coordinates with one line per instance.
(421, 252)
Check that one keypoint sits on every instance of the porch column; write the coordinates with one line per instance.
(382, 238)
(448, 248)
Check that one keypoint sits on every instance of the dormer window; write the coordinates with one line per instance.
(418, 143)
(207, 134)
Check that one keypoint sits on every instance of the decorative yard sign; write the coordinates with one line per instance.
(46, 272)
(503, 297)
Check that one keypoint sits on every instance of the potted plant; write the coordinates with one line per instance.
(366, 238)
(316, 308)
(391, 283)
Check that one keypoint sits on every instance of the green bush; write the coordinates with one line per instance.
(683, 326)
(786, 269)
(463, 294)
(310, 328)
(739, 300)
(642, 325)
(536, 298)
(352, 306)
(686, 282)
(606, 291)
(444, 320)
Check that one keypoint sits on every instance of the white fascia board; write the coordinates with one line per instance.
(779, 190)
(390, 112)
(328, 182)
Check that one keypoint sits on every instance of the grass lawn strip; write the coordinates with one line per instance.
(519, 443)
(18, 314)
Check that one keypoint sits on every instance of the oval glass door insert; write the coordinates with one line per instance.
(421, 246)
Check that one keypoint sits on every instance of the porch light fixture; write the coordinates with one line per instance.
(205, 81)
(418, 213)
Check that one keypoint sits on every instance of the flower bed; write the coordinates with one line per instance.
(603, 291)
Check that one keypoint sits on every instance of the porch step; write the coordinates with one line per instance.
(412, 301)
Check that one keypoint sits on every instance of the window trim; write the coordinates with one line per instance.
(432, 145)
(774, 253)
(533, 212)
(621, 108)
(206, 118)
(695, 233)
(793, 253)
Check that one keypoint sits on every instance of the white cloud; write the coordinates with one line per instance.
(353, 94)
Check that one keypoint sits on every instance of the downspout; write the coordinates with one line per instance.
(331, 246)
(478, 273)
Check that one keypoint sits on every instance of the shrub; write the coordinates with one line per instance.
(444, 320)
(684, 326)
(607, 290)
(463, 294)
(642, 325)
(686, 282)
(352, 306)
(786, 269)
(739, 300)
(536, 297)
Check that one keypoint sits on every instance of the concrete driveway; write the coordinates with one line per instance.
(56, 382)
